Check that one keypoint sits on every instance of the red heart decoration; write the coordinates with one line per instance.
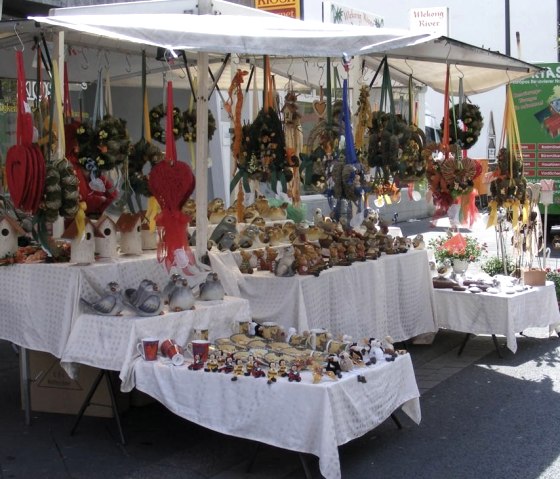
(171, 184)
(17, 173)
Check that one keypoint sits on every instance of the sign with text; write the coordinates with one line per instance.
(537, 106)
(334, 12)
(434, 20)
(288, 8)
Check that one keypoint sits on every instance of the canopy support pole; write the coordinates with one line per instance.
(201, 172)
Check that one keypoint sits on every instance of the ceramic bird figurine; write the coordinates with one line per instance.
(228, 241)
(147, 300)
(212, 288)
(110, 304)
(170, 286)
(228, 223)
(444, 268)
(182, 297)
(418, 242)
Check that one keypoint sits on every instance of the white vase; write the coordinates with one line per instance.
(460, 266)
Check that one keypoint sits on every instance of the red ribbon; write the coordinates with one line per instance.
(172, 232)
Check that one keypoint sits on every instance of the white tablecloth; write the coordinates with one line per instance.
(39, 302)
(109, 342)
(392, 295)
(503, 314)
(304, 417)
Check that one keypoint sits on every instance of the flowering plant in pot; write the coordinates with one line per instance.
(457, 248)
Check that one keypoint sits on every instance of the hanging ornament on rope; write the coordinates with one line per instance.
(172, 182)
(293, 133)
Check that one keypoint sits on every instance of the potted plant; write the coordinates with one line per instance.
(460, 250)
(554, 276)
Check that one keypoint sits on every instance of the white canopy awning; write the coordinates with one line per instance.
(240, 34)
(426, 60)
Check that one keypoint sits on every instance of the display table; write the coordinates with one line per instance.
(303, 417)
(392, 295)
(40, 302)
(109, 342)
(503, 314)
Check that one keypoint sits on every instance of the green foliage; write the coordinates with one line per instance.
(554, 276)
(494, 265)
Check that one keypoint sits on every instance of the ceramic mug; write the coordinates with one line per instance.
(148, 348)
(201, 334)
(318, 339)
(170, 349)
(336, 347)
(243, 326)
(269, 330)
(200, 348)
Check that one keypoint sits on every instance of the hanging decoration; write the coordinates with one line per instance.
(158, 133)
(266, 139)
(465, 124)
(25, 164)
(451, 175)
(293, 133)
(144, 156)
(508, 186)
(189, 125)
(345, 174)
(172, 182)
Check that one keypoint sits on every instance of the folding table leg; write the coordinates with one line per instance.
(396, 420)
(25, 387)
(305, 466)
(497, 346)
(87, 403)
(463, 344)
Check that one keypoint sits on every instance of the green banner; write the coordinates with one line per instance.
(537, 105)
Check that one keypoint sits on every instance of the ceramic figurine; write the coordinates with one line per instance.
(257, 371)
(106, 237)
(249, 365)
(82, 248)
(317, 372)
(110, 304)
(228, 366)
(238, 369)
(261, 261)
(282, 368)
(285, 265)
(249, 236)
(245, 266)
(146, 300)
(182, 297)
(418, 242)
(332, 368)
(271, 255)
(197, 363)
(346, 363)
(258, 221)
(388, 348)
(228, 241)
(216, 211)
(228, 223)
(170, 286)
(211, 364)
(272, 373)
(293, 374)
(375, 351)
(212, 289)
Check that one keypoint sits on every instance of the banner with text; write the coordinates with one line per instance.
(537, 105)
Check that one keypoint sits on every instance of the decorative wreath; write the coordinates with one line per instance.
(142, 152)
(508, 184)
(105, 147)
(189, 126)
(267, 145)
(395, 148)
(465, 129)
(157, 113)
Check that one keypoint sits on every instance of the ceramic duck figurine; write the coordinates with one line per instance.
(170, 286)
(110, 304)
(147, 300)
(182, 297)
(212, 289)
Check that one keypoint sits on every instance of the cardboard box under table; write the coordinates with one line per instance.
(53, 391)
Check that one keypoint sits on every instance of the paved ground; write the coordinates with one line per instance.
(482, 416)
